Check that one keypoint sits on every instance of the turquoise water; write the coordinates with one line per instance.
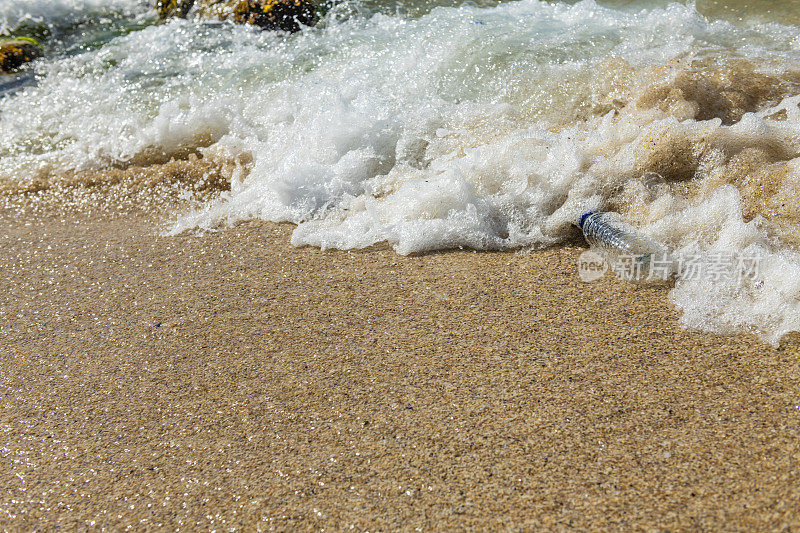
(434, 125)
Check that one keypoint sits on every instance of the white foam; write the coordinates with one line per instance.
(767, 304)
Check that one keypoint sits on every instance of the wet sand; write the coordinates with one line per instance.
(230, 381)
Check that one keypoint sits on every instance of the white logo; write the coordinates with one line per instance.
(591, 266)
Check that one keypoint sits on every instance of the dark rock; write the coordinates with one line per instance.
(15, 53)
(286, 15)
(173, 8)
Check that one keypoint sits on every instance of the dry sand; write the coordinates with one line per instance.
(229, 381)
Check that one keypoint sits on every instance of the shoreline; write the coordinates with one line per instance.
(231, 380)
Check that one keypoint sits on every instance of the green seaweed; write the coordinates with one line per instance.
(31, 40)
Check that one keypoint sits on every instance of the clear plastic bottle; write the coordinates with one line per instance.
(632, 254)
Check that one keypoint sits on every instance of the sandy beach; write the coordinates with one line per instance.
(311, 265)
(230, 381)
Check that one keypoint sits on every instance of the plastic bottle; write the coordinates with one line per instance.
(646, 258)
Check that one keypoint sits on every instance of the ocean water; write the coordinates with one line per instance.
(435, 125)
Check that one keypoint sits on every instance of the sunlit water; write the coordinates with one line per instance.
(438, 125)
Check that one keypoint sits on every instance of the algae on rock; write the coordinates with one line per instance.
(286, 15)
(173, 8)
(16, 52)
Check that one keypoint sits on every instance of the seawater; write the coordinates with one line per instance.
(434, 125)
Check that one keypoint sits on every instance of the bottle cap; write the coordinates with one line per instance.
(584, 217)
